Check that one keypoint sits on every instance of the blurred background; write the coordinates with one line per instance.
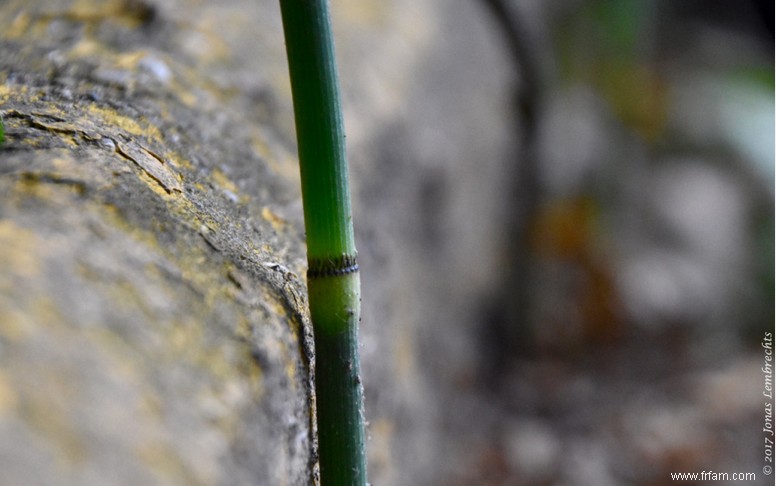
(566, 225)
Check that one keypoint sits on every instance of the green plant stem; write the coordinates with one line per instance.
(332, 278)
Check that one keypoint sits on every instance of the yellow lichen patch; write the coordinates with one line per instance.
(20, 251)
(216, 360)
(254, 374)
(19, 26)
(176, 160)
(88, 9)
(45, 312)
(114, 219)
(128, 297)
(150, 405)
(6, 91)
(120, 355)
(85, 48)
(188, 98)
(200, 187)
(64, 164)
(291, 367)
(165, 463)
(249, 367)
(243, 329)
(45, 411)
(272, 304)
(15, 325)
(184, 336)
(27, 187)
(223, 181)
(129, 13)
(129, 60)
(15, 92)
(276, 221)
(125, 123)
(194, 263)
(228, 187)
(9, 400)
(28, 25)
(261, 147)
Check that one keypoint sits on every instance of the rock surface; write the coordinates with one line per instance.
(152, 322)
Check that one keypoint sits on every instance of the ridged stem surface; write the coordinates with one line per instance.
(332, 277)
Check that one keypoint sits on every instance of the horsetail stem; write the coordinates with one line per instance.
(332, 277)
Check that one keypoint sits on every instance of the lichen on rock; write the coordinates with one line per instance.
(152, 323)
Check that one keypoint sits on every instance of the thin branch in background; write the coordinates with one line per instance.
(509, 328)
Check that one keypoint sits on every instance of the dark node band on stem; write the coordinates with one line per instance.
(332, 267)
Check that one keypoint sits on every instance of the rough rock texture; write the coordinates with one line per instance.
(152, 326)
